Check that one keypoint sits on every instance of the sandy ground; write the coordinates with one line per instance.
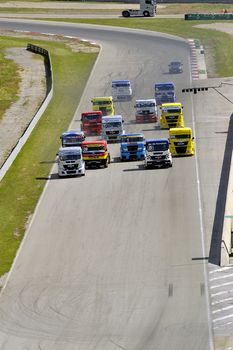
(31, 94)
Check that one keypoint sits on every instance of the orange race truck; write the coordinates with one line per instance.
(96, 153)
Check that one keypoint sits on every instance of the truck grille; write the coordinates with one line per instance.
(133, 148)
(181, 149)
(112, 132)
(158, 157)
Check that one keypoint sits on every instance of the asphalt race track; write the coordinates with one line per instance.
(118, 259)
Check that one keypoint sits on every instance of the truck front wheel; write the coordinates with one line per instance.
(146, 14)
(125, 14)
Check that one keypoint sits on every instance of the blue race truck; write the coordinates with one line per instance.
(72, 138)
(132, 147)
(165, 92)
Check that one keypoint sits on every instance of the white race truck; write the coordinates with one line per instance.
(147, 9)
(157, 153)
(112, 128)
(121, 90)
(70, 161)
(146, 111)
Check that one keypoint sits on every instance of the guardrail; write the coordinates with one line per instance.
(49, 93)
(207, 16)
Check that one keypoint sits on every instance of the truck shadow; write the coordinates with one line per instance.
(216, 238)
(49, 177)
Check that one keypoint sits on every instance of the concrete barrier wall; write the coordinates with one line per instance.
(227, 222)
(27, 132)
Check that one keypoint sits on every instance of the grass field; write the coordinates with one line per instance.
(24, 182)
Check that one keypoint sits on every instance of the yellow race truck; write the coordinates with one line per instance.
(103, 104)
(171, 115)
(181, 142)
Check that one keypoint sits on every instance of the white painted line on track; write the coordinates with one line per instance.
(221, 285)
(202, 233)
(213, 303)
(220, 277)
(222, 309)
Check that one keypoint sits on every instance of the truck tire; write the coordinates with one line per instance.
(146, 14)
(125, 14)
(106, 163)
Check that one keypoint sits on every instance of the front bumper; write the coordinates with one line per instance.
(149, 118)
(132, 156)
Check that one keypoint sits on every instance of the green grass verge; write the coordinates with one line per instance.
(22, 185)
(221, 44)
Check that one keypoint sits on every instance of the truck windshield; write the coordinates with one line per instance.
(159, 146)
(145, 104)
(116, 85)
(132, 139)
(91, 117)
(90, 148)
(64, 157)
(172, 110)
(164, 88)
(101, 103)
(180, 136)
(112, 125)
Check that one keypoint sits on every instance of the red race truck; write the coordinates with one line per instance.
(91, 122)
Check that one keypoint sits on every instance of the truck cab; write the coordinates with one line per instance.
(181, 142)
(121, 90)
(147, 9)
(72, 138)
(165, 92)
(103, 104)
(171, 115)
(91, 122)
(112, 128)
(146, 111)
(70, 162)
(157, 153)
(132, 147)
(96, 153)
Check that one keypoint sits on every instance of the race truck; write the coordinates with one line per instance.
(72, 138)
(95, 153)
(147, 9)
(132, 147)
(146, 111)
(171, 115)
(165, 92)
(70, 161)
(103, 104)
(181, 142)
(157, 153)
(91, 123)
(121, 90)
(112, 128)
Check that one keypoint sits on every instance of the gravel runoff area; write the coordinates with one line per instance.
(32, 90)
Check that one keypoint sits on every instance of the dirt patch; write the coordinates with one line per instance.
(31, 94)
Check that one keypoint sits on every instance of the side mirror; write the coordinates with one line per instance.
(193, 138)
(123, 121)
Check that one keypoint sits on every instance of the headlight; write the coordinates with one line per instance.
(148, 157)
